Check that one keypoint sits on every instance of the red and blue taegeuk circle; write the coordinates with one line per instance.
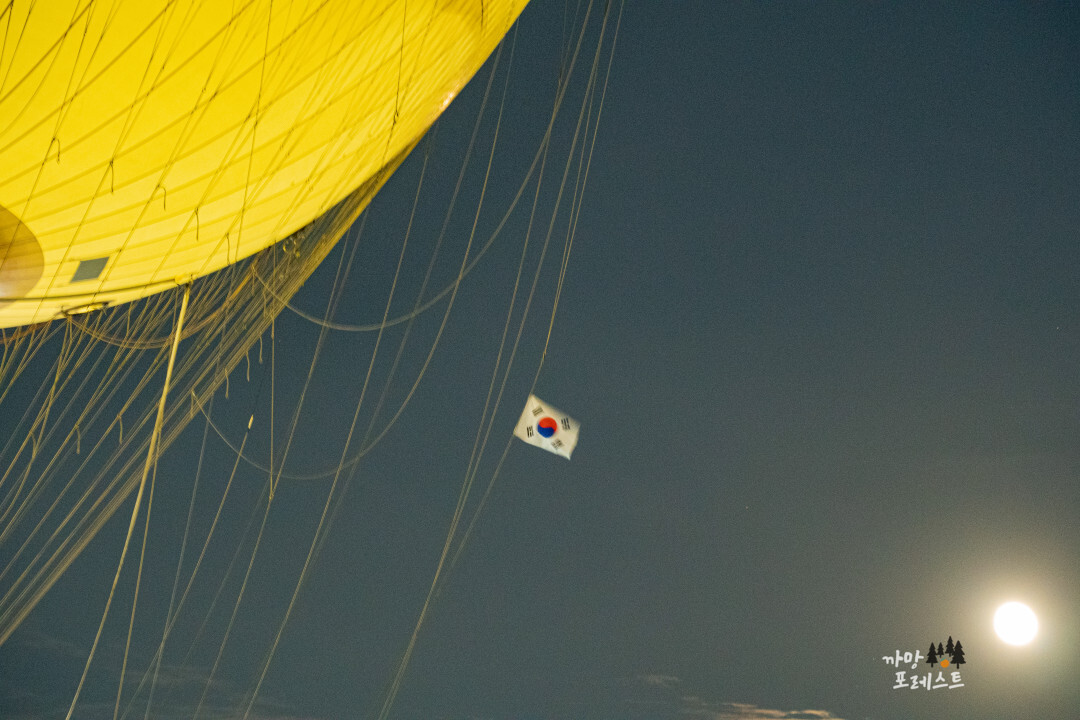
(547, 427)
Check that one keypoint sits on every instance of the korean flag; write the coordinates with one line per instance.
(546, 427)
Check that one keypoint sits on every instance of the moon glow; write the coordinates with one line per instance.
(1015, 623)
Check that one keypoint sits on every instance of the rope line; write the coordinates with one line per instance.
(150, 458)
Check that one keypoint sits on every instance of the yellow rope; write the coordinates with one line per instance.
(138, 498)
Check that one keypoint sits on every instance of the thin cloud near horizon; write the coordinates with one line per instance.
(694, 706)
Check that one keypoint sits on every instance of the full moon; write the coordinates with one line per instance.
(1015, 623)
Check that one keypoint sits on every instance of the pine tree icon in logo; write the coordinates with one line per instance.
(958, 654)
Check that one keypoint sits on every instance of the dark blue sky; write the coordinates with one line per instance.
(819, 325)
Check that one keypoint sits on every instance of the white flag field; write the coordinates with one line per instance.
(547, 427)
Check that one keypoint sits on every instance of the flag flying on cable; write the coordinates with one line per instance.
(546, 427)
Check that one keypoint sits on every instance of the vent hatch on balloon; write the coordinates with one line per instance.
(89, 269)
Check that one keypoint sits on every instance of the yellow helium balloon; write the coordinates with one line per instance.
(147, 143)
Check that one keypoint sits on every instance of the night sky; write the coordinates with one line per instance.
(819, 325)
